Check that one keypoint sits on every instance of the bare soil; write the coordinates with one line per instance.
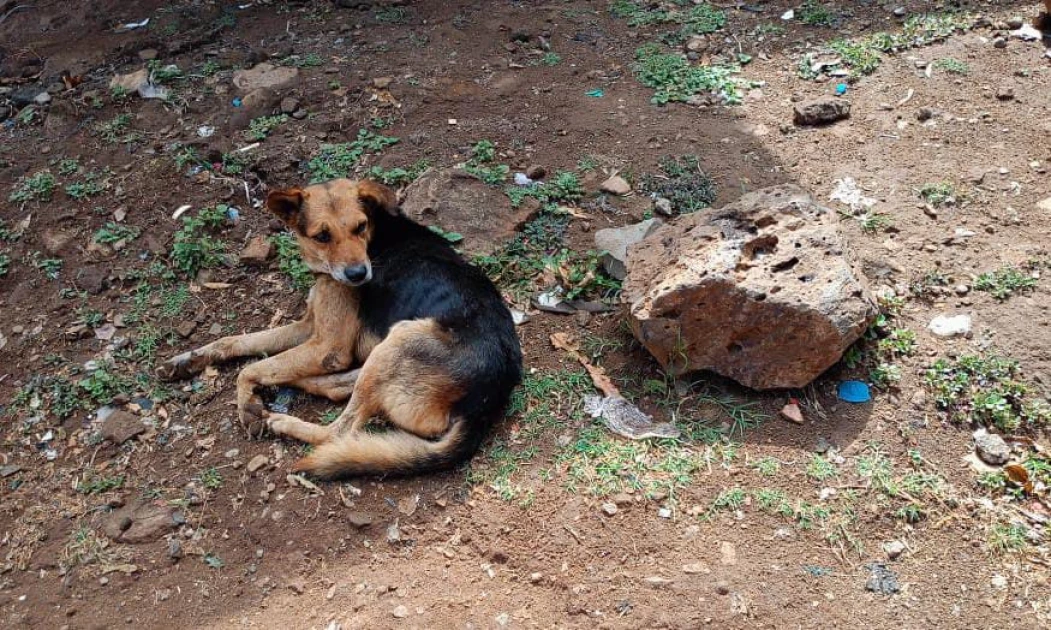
(530, 543)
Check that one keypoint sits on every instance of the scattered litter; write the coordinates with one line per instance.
(453, 121)
(181, 210)
(521, 179)
(619, 414)
(283, 400)
(551, 301)
(908, 97)
(519, 317)
(236, 102)
(788, 15)
(841, 89)
(247, 148)
(882, 580)
(596, 93)
(233, 214)
(848, 193)
(664, 512)
(105, 332)
(131, 26)
(205, 131)
(792, 412)
(149, 90)
(1027, 33)
(854, 392)
(950, 325)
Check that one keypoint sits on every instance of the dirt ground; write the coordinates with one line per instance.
(749, 521)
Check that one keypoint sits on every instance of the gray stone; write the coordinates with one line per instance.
(615, 185)
(120, 426)
(992, 449)
(614, 243)
(763, 291)
(822, 111)
(141, 522)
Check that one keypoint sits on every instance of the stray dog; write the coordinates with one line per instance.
(437, 348)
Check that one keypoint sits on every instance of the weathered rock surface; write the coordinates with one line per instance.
(459, 202)
(141, 522)
(265, 76)
(614, 242)
(257, 252)
(822, 111)
(762, 291)
(120, 426)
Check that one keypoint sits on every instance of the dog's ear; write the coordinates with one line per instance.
(377, 197)
(286, 204)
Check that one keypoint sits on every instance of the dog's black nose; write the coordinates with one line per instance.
(356, 274)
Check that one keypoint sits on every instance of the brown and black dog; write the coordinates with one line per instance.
(436, 346)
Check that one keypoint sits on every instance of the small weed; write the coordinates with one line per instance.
(103, 384)
(564, 187)
(955, 66)
(901, 342)
(674, 79)
(262, 127)
(89, 187)
(483, 154)
(290, 262)
(173, 301)
(115, 131)
(923, 287)
(5, 263)
(90, 317)
(235, 163)
(97, 485)
(329, 417)
(885, 375)
(684, 183)
(587, 163)
(333, 161)
(986, 390)
(311, 60)
(731, 499)
(938, 194)
(1005, 282)
(550, 59)
(398, 176)
(211, 68)
(814, 13)
(161, 73)
(67, 166)
(187, 156)
(392, 15)
(50, 266)
(452, 237)
(211, 479)
(820, 468)
(193, 248)
(38, 187)
(213, 561)
(1007, 538)
(767, 466)
(863, 56)
(874, 221)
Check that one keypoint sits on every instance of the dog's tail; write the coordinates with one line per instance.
(393, 453)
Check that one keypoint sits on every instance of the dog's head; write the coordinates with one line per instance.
(333, 223)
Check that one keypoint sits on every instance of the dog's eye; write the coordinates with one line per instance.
(323, 236)
(360, 229)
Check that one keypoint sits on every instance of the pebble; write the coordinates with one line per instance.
(232, 453)
(962, 289)
(900, 12)
(42, 99)
(1005, 94)
(662, 206)
(400, 612)
(609, 509)
(289, 105)
(257, 462)
(1015, 22)
(1000, 42)
(950, 325)
(615, 185)
(992, 449)
(536, 172)
(894, 549)
(148, 54)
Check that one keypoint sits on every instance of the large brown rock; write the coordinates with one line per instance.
(459, 202)
(763, 291)
(141, 522)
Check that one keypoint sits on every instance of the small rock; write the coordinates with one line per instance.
(400, 612)
(10, 469)
(289, 105)
(919, 399)
(894, 549)
(1015, 22)
(900, 12)
(264, 76)
(382, 83)
(148, 54)
(615, 185)
(257, 462)
(175, 551)
(614, 244)
(792, 412)
(141, 522)
(622, 498)
(121, 426)
(882, 580)
(1005, 94)
(962, 289)
(297, 586)
(536, 578)
(360, 520)
(185, 328)
(695, 568)
(300, 114)
(821, 111)
(950, 326)
(536, 172)
(924, 114)
(42, 99)
(1044, 204)
(728, 553)
(609, 509)
(257, 252)
(992, 449)
(662, 206)
(722, 588)
(999, 42)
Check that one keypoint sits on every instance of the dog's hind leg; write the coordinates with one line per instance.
(290, 426)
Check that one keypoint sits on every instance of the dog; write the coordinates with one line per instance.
(436, 345)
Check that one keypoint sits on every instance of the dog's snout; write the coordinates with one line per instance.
(356, 274)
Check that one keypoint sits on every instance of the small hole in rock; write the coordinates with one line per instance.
(734, 348)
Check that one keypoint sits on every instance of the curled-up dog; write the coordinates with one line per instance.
(397, 323)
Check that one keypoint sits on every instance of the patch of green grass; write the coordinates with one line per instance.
(67, 166)
(730, 499)
(398, 176)
(194, 248)
(235, 163)
(700, 19)
(481, 164)
(333, 161)
(211, 479)
(173, 300)
(674, 79)
(93, 484)
(813, 13)
(938, 194)
(874, 221)
(955, 66)
(1007, 538)
(452, 237)
(986, 390)
(864, 55)
(5, 263)
(91, 317)
(1005, 282)
(103, 384)
(290, 262)
(587, 163)
(767, 466)
(88, 187)
(549, 59)
(684, 183)
(38, 187)
(563, 187)
(50, 266)
(820, 468)
(186, 155)
(261, 127)
(116, 130)
(311, 60)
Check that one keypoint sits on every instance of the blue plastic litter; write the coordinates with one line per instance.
(596, 93)
(236, 102)
(841, 89)
(854, 392)
(233, 214)
(283, 400)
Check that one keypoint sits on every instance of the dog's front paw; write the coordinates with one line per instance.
(182, 366)
(253, 416)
